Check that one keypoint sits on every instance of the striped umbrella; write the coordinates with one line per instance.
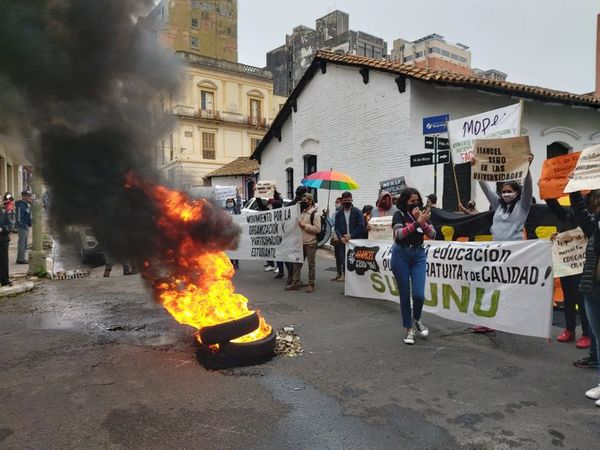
(330, 180)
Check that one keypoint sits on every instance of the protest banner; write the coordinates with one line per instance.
(555, 173)
(497, 123)
(222, 193)
(502, 285)
(265, 189)
(269, 235)
(501, 159)
(394, 185)
(568, 253)
(586, 175)
(381, 228)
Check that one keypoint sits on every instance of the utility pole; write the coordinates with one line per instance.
(37, 256)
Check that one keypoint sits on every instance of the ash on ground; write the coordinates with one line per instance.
(288, 342)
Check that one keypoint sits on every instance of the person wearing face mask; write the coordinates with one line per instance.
(232, 208)
(408, 261)
(349, 224)
(338, 247)
(300, 191)
(384, 206)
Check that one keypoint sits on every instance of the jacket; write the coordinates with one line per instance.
(376, 212)
(589, 224)
(310, 231)
(357, 224)
(23, 214)
(5, 227)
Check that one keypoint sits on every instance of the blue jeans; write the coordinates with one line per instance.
(592, 309)
(408, 266)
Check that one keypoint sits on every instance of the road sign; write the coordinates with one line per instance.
(435, 124)
(443, 143)
(429, 142)
(422, 159)
(443, 157)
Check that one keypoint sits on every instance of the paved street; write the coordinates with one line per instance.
(93, 363)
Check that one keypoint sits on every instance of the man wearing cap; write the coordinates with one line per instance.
(23, 223)
(310, 224)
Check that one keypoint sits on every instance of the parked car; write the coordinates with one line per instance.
(253, 206)
(87, 243)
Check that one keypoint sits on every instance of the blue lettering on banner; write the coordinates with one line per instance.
(435, 124)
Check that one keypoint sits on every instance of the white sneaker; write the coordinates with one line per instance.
(410, 337)
(269, 269)
(597, 402)
(594, 393)
(421, 328)
(276, 270)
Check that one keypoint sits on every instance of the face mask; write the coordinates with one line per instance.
(508, 197)
(229, 204)
(303, 205)
(337, 206)
(347, 205)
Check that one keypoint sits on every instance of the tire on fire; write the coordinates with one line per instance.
(227, 331)
(250, 350)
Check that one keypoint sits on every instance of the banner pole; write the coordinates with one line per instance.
(522, 106)
(453, 167)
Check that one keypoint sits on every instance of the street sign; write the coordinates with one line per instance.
(435, 124)
(429, 142)
(394, 186)
(422, 159)
(443, 143)
(443, 157)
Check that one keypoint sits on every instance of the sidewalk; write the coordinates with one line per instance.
(18, 273)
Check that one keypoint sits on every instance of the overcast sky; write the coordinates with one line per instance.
(549, 43)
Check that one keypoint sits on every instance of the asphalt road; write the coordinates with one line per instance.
(94, 363)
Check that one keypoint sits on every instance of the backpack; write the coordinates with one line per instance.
(321, 234)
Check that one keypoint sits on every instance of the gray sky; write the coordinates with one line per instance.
(548, 43)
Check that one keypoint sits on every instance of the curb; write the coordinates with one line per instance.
(16, 289)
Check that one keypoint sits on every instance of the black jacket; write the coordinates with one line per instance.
(589, 224)
(5, 227)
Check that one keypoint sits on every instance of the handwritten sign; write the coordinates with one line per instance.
(501, 159)
(223, 193)
(394, 186)
(555, 175)
(497, 123)
(381, 228)
(568, 253)
(265, 189)
(586, 174)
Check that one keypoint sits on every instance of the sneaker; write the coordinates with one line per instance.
(269, 269)
(337, 277)
(341, 279)
(293, 287)
(276, 270)
(594, 393)
(421, 328)
(586, 363)
(584, 342)
(597, 403)
(279, 275)
(410, 337)
(566, 336)
(310, 288)
(106, 273)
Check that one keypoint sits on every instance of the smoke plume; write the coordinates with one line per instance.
(77, 83)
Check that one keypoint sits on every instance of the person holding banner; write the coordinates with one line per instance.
(349, 224)
(408, 260)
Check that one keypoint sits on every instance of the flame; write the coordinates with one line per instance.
(197, 290)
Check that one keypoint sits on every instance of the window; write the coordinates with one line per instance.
(255, 109)
(254, 143)
(289, 181)
(171, 147)
(194, 22)
(207, 101)
(208, 146)
(189, 134)
(463, 59)
(419, 54)
(408, 58)
(455, 56)
(310, 166)
(194, 42)
(445, 53)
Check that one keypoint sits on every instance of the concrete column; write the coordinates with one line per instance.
(10, 185)
(37, 256)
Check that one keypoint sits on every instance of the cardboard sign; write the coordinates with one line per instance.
(555, 175)
(501, 159)
(568, 253)
(265, 189)
(497, 123)
(223, 193)
(586, 174)
(381, 228)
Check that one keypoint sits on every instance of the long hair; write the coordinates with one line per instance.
(405, 195)
(510, 206)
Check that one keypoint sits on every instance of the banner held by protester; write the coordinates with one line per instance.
(503, 285)
(381, 228)
(586, 175)
(555, 175)
(568, 253)
(501, 159)
(272, 235)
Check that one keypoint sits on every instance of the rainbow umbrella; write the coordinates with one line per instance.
(330, 180)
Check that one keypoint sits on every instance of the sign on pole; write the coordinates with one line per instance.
(435, 124)
(422, 159)
(497, 123)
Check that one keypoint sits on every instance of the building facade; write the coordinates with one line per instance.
(221, 112)
(207, 28)
(15, 170)
(365, 118)
(289, 62)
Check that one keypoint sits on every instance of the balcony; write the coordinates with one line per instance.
(259, 123)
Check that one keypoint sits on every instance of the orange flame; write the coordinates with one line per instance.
(198, 291)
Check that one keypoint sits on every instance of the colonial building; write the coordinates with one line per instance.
(15, 170)
(241, 173)
(364, 117)
(222, 111)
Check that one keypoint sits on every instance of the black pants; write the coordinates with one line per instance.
(340, 257)
(4, 262)
(570, 287)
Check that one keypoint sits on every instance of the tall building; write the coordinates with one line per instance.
(491, 74)
(207, 28)
(332, 32)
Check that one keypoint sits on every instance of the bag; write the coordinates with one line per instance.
(320, 234)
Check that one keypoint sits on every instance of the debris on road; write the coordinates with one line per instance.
(288, 342)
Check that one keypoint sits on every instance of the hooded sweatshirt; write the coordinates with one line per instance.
(378, 212)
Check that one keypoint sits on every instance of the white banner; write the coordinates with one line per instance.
(272, 235)
(380, 229)
(497, 123)
(568, 253)
(502, 285)
(223, 193)
(586, 175)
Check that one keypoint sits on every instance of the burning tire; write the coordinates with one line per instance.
(225, 332)
(250, 350)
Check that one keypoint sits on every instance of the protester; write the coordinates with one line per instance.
(23, 222)
(570, 284)
(9, 209)
(384, 206)
(5, 230)
(338, 247)
(366, 212)
(300, 191)
(110, 262)
(431, 201)
(233, 207)
(470, 209)
(589, 221)
(349, 224)
(277, 203)
(408, 261)
(310, 223)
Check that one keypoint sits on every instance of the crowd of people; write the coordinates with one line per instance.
(15, 217)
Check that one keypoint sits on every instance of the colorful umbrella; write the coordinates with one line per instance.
(330, 180)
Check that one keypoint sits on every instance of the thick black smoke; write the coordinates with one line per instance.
(77, 83)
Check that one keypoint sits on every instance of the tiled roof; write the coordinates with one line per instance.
(240, 166)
